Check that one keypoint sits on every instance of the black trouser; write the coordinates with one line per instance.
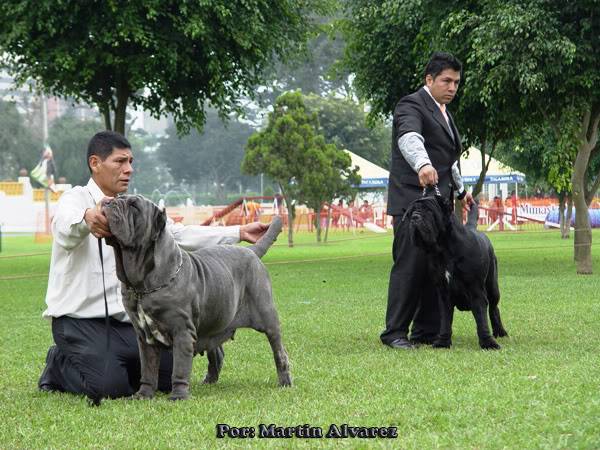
(77, 362)
(411, 295)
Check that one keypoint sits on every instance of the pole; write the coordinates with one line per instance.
(47, 211)
(261, 185)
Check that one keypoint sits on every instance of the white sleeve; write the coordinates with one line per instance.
(457, 178)
(68, 227)
(412, 147)
(193, 237)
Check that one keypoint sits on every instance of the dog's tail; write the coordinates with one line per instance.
(263, 244)
(472, 217)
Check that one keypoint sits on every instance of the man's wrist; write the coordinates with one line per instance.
(423, 165)
(461, 194)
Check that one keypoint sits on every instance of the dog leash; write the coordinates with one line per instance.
(96, 399)
(435, 187)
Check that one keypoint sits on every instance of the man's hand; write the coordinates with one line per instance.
(252, 232)
(467, 201)
(97, 221)
(428, 176)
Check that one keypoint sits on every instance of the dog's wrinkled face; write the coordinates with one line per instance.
(133, 220)
(427, 221)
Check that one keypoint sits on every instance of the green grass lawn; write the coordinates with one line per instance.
(542, 390)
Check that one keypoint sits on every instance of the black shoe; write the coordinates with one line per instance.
(422, 340)
(401, 343)
(45, 383)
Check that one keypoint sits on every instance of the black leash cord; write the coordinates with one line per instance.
(96, 398)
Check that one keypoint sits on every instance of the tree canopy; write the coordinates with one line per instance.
(292, 153)
(343, 122)
(211, 158)
(167, 57)
(525, 62)
(19, 148)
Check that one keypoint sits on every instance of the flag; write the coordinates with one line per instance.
(44, 171)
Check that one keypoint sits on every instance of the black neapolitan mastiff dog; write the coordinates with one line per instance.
(191, 302)
(462, 265)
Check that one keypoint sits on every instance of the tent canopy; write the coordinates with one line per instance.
(470, 168)
(372, 175)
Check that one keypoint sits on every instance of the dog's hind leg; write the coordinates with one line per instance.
(280, 355)
(493, 294)
(215, 362)
(486, 340)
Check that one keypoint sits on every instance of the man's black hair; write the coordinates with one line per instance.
(441, 61)
(103, 144)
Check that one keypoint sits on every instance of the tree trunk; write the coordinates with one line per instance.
(583, 229)
(569, 215)
(564, 227)
(105, 110)
(328, 222)
(121, 106)
(318, 224)
(291, 214)
(291, 211)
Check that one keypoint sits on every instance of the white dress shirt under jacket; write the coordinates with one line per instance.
(75, 279)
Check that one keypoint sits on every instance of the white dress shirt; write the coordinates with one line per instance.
(75, 279)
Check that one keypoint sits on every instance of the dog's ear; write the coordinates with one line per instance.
(160, 221)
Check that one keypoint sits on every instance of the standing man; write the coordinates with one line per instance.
(75, 294)
(425, 149)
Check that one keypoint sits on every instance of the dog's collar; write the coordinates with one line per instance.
(140, 294)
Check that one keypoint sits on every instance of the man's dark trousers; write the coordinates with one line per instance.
(76, 364)
(411, 297)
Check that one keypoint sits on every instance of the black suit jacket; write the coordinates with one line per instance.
(418, 112)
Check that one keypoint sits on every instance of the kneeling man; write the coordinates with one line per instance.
(75, 295)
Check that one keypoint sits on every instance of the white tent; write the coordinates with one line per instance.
(497, 173)
(372, 175)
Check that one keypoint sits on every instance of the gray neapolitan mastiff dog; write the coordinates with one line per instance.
(189, 301)
(462, 265)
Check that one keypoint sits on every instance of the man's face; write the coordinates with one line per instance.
(443, 87)
(114, 173)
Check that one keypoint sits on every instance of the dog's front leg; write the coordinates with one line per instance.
(150, 361)
(486, 340)
(183, 354)
(444, 338)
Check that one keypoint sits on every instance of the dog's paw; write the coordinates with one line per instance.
(139, 395)
(500, 333)
(210, 379)
(442, 343)
(285, 380)
(179, 396)
(489, 344)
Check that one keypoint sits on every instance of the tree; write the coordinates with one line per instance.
(213, 157)
(538, 154)
(344, 123)
(18, 147)
(388, 46)
(527, 61)
(544, 53)
(68, 137)
(290, 152)
(166, 57)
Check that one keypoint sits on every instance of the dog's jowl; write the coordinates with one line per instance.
(462, 265)
(191, 302)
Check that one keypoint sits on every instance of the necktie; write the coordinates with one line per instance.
(443, 110)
